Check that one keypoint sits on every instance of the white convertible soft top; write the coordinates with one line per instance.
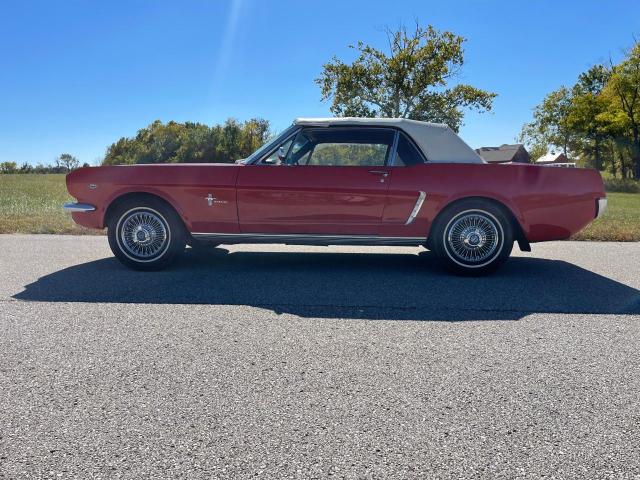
(436, 140)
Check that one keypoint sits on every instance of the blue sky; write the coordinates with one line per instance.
(77, 75)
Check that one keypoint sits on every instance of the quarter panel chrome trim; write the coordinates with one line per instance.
(78, 207)
(308, 239)
(416, 208)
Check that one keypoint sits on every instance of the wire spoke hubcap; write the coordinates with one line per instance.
(143, 234)
(473, 237)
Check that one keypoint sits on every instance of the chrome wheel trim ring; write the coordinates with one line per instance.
(484, 235)
(143, 234)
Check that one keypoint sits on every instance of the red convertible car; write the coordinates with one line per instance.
(340, 181)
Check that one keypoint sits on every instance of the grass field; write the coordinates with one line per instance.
(33, 204)
(620, 223)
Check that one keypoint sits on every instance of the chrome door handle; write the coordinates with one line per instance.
(379, 172)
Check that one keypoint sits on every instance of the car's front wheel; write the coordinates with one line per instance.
(473, 237)
(145, 233)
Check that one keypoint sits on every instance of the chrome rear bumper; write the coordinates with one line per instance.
(601, 206)
(78, 207)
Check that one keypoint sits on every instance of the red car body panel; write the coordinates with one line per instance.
(311, 199)
(185, 187)
(548, 203)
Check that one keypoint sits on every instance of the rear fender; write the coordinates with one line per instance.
(510, 206)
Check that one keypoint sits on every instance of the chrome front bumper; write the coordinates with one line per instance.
(601, 206)
(78, 207)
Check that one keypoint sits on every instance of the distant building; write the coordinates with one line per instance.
(553, 158)
(505, 154)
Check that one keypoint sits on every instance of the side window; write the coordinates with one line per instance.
(407, 154)
(274, 158)
(346, 147)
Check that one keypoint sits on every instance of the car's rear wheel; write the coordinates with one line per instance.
(145, 233)
(473, 237)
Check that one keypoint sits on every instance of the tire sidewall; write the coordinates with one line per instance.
(438, 239)
(175, 233)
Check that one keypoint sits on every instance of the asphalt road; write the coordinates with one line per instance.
(301, 362)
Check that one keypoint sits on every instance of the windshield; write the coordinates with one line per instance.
(270, 144)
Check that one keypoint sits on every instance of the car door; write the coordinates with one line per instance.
(322, 180)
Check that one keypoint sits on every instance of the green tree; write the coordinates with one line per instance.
(189, 142)
(597, 120)
(8, 167)
(624, 87)
(412, 81)
(255, 133)
(551, 126)
(67, 162)
(587, 115)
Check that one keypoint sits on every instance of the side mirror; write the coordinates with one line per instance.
(281, 153)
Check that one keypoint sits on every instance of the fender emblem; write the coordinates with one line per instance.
(211, 200)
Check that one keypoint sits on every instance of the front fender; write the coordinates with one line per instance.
(151, 190)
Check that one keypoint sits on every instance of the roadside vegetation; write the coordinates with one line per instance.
(32, 203)
(62, 164)
(189, 142)
(595, 122)
(620, 223)
(614, 184)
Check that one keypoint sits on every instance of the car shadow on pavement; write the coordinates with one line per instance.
(344, 285)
